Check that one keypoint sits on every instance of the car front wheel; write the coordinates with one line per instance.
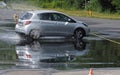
(79, 34)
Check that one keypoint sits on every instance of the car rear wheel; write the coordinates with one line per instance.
(35, 34)
(79, 34)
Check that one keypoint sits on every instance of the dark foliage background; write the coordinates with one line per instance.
(111, 6)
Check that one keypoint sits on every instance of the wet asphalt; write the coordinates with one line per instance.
(106, 27)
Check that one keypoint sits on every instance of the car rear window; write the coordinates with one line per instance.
(26, 16)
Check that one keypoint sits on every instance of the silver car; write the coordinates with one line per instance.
(43, 23)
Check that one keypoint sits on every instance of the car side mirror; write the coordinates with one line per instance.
(69, 20)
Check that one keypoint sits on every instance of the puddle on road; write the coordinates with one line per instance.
(60, 55)
(16, 52)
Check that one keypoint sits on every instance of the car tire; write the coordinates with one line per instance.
(79, 45)
(79, 34)
(28, 39)
(35, 34)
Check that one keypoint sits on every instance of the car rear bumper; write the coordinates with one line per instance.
(22, 30)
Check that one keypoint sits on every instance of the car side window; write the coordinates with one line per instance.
(59, 17)
(63, 18)
(45, 16)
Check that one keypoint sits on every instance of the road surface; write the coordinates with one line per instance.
(101, 26)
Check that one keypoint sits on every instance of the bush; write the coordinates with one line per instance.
(94, 5)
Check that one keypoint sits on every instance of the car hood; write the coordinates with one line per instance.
(79, 22)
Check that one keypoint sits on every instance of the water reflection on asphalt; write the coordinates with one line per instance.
(18, 52)
(37, 53)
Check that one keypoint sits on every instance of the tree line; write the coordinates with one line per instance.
(93, 5)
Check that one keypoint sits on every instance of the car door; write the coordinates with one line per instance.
(65, 25)
(47, 24)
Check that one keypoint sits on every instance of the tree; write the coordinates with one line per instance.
(116, 4)
(106, 5)
(79, 4)
(94, 5)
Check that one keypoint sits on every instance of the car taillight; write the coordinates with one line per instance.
(27, 22)
(28, 55)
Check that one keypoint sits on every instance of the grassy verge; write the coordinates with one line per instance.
(81, 13)
(85, 13)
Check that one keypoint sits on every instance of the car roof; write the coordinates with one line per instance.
(46, 11)
(43, 11)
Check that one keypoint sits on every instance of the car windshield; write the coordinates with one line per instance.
(26, 16)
